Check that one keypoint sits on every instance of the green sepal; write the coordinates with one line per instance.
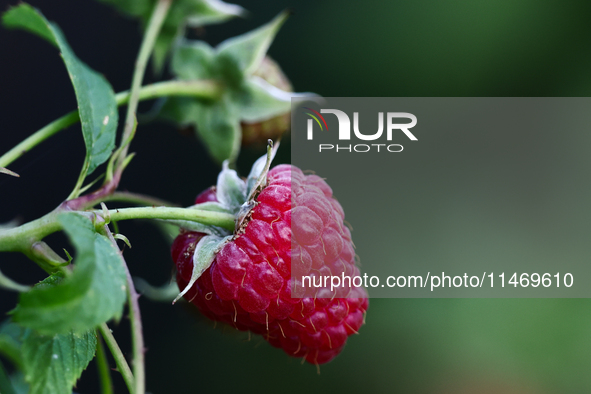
(179, 110)
(218, 122)
(218, 126)
(248, 50)
(199, 227)
(212, 206)
(193, 60)
(230, 189)
(205, 252)
(257, 177)
(259, 100)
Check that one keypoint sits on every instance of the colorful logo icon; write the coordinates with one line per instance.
(316, 119)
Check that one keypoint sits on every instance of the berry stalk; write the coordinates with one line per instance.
(23, 238)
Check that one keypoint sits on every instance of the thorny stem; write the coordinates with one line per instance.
(206, 89)
(154, 25)
(120, 361)
(137, 336)
(139, 368)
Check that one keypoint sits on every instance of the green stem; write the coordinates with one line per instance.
(102, 365)
(22, 238)
(27, 237)
(137, 336)
(120, 361)
(219, 219)
(164, 293)
(205, 89)
(38, 137)
(138, 199)
(202, 88)
(9, 284)
(152, 31)
(76, 192)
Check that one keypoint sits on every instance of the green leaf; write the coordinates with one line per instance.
(53, 363)
(95, 97)
(50, 363)
(94, 293)
(27, 18)
(248, 50)
(218, 126)
(204, 254)
(194, 13)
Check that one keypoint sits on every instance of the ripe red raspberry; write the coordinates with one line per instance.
(206, 195)
(249, 284)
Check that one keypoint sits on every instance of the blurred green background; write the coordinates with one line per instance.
(334, 48)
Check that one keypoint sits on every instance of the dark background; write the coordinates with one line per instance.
(334, 48)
